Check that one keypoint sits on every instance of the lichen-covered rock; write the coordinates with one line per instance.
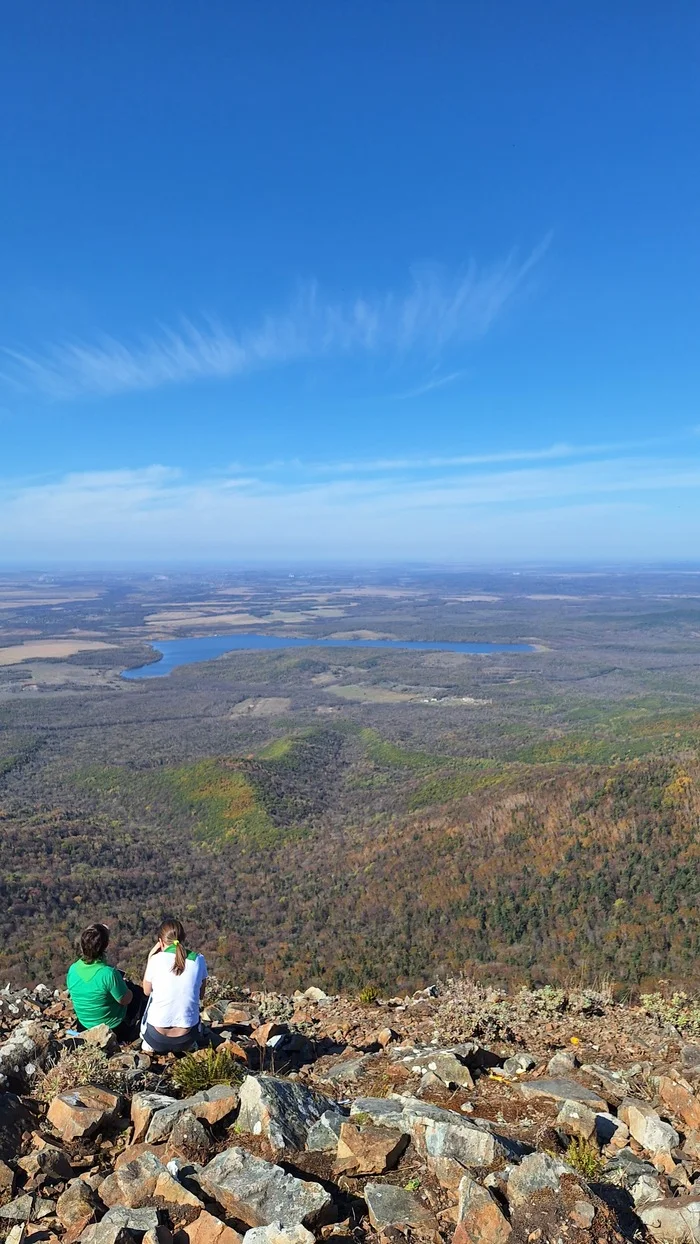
(575, 1119)
(133, 1184)
(211, 1105)
(19, 1210)
(322, 1136)
(518, 1064)
(138, 1221)
(275, 1233)
(77, 1206)
(535, 1173)
(143, 1108)
(391, 1206)
(107, 1233)
(189, 1138)
(14, 1120)
(281, 1110)
(260, 1192)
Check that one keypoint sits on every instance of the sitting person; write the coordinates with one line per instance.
(174, 984)
(99, 993)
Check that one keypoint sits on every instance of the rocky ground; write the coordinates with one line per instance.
(455, 1114)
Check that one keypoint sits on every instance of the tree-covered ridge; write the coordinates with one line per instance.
(335, 854)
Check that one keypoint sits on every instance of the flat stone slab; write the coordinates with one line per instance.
(260, 1192)
(392, 1206)
(562, 1090)
(138, 1221)
(211, 1105)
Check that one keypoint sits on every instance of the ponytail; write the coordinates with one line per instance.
(172, 933)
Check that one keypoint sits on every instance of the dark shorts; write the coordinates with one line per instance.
(161, 1044)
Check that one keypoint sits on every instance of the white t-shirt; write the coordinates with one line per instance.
(174, 1001)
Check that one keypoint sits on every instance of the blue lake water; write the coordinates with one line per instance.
(176, 652)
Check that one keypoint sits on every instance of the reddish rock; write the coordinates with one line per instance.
(480, 1220)
(207, 1230)
(133, 1184)
(83, 1111)
(368, 1150)
(263, 1034)
(135, 1151)
(679, 1099)
(236, 1017)
(76, 1207)
(385, 1036)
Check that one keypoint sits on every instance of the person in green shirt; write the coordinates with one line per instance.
(99, 993)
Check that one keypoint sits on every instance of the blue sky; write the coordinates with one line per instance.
(398, 281)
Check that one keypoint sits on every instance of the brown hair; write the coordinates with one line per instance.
(93, 942)
(170, 931)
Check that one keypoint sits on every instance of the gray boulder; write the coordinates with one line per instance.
(647, 1128)
(275, 1233)
(259, 1192)
(322, 1136)
(562, 1063)
(19, 1210)
(107, 1233)
(519, 1063)
(536, 1172)
(281, 1110)
(391, 1206)
(562, 1090)
(211, 1105)
(137, 1221)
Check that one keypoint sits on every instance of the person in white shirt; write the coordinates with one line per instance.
(174, 983)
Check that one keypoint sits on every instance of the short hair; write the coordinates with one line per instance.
(94, 941)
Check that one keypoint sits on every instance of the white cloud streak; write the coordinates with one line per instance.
(627, 506)
(438, 312)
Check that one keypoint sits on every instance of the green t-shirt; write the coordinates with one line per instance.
(95, 990)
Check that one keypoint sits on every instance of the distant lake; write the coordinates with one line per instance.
(175, 652)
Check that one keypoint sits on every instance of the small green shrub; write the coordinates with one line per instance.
(369, 994)
(204, 1069)
(584, 1158)
(361, 1118)
(680, 1010)
(413, 1184)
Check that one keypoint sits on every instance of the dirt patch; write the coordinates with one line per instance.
(371, 695)
(269, 706)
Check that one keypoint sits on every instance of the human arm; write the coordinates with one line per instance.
(119, 989)
(147, 984)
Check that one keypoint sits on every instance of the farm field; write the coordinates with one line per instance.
(358, 815)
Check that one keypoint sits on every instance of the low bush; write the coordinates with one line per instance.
(204, 1069)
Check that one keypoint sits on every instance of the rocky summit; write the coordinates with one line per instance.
(454, 1114)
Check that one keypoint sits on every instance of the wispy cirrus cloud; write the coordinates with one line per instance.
(436, 382)
(628, 505)
(439, 311)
